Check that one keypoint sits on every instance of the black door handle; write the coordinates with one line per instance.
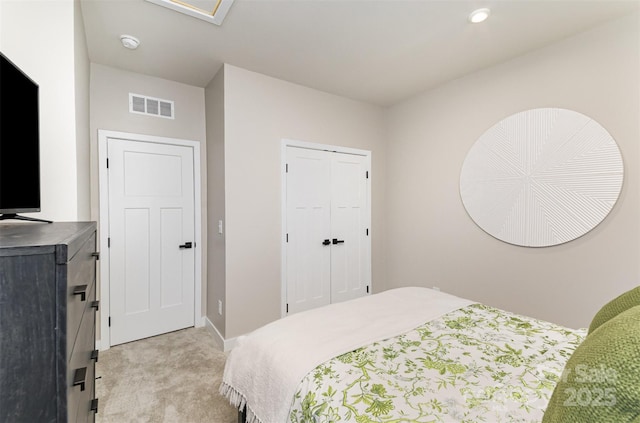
(186, 245)
(326, 242)
(338, 241)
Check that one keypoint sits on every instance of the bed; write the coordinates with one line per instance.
(404, 355)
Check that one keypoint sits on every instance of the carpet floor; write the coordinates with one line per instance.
(171, 378)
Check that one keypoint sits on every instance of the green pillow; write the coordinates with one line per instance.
(616, 306)
(601, 380)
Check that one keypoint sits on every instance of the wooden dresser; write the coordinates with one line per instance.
(47, 322)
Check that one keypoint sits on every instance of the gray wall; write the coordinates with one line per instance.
(421, 234)
(259, 112)
(216, 278)
(432, 241)
(109, 103)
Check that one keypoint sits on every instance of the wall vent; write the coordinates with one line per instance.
(151, 106)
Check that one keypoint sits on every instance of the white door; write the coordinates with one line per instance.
(308, 245)
(350, 257)
(151, 226)
(328, 248)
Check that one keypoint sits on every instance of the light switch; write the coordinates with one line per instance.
(220, 226)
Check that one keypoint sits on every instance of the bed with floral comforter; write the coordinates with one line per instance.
(403, 355)
(475, 364)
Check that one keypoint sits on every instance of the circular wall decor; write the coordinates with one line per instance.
(541, 177)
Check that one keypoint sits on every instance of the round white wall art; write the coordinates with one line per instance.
(541, 177)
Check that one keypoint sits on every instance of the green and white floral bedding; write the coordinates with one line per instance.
(475, 364)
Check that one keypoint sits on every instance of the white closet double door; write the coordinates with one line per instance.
(328, 247)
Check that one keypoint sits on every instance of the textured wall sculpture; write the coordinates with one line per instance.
(541, 177)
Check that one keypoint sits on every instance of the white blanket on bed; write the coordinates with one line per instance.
(265, 367)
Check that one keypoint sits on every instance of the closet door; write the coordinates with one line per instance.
(328, 248)
(350, 257)
(308, 226)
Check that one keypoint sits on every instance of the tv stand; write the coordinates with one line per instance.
(13, 216)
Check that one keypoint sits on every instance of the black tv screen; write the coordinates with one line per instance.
(19, 141)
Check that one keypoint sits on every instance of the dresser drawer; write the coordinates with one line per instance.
(89, 312)
(44, 327)
(84, 413)
(80, 288)
(81, 371)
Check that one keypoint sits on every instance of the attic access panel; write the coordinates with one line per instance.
(213, 11)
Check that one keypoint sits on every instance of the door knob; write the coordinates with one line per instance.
(338, 241)
(186, 245)
(326, 242)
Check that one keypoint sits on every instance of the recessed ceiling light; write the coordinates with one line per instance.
(129, 42)
(479, 15)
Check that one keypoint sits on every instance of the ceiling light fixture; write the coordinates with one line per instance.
(479, 15)
(129, 42)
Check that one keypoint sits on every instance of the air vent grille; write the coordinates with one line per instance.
(151, 106)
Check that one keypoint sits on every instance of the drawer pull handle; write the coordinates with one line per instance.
(79, 377)
(94, 355)
(80, 290)
(96, 255)
(95, 304)
(94, 405)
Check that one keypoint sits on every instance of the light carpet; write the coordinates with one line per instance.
(171, 378)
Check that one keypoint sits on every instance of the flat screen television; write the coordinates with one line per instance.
(19, 143)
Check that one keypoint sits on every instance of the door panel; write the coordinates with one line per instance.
(308, 213)
(171, 266)
(151, 209)
(136, 261)
(349, 260)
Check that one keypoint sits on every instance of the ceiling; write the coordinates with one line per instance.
(377, 51)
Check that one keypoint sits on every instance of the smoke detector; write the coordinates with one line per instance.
(129, 42)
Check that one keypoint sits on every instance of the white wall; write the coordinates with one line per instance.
(432, 241)
(109, 104)
(38, 36)
(259, 112)
(82, 71)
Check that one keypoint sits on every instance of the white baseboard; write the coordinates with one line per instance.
(222, 344)
(201, 322)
